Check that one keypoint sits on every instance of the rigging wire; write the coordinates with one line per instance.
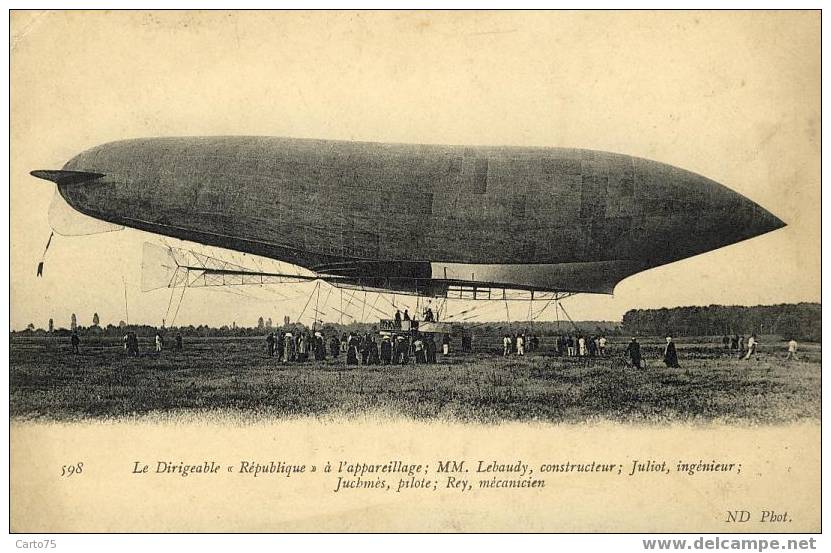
(540, 312)
(126, 310)
(377, 309)
(569, 317)
(326, 301)
(392, 303)
(326, 305)
(349, 300)
(317, 311)
(557, 314)
(440, 309)
(363, 307)
(342, 314)
(364, 303)
(377, 297)
(169, 301)
(182, 297)
(469, 310)
(317, 284)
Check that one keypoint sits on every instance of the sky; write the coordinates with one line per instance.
(729, 95)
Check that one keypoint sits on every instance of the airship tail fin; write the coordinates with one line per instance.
(62, 177)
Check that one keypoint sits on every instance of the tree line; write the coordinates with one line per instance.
(801, 321)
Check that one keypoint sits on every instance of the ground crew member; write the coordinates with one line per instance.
(386, 350)
(270, 341)
(670, 354)
(751, 346)
(792, 349)
(634, 351)
(430, 348)
(418, 349)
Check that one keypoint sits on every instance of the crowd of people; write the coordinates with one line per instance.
(131, 343)
(299, 346)
(403, 347)
(581, 345)
(519, 343)
(296, 345)
(746, 347)
(596, 346)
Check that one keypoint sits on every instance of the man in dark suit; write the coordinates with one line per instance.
(634, 352)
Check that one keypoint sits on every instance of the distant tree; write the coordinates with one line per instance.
(95, 319)
(268, 323)
(30, 326)
(121, 324)
(286, 320)
(51, 325)
(73, 324)
(260, 323)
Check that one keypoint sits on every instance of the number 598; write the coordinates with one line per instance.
(69, 470)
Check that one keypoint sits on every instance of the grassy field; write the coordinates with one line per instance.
(221, 375)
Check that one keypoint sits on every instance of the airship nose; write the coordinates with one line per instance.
(765, 222)
(746, 219)
(726, 222)
(700, 214)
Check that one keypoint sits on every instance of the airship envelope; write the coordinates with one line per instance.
(422, 219)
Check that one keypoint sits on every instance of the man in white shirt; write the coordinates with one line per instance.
(751, 346)
(792, 349)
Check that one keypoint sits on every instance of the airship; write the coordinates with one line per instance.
(428, 220)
